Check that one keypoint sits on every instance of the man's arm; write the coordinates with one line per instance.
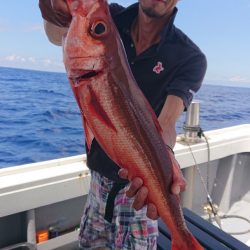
(168, 117)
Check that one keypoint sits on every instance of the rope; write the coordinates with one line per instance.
(222, 217)
(206, 187)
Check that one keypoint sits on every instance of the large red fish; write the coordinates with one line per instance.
(117, 114)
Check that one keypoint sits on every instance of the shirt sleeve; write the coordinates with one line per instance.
(188, 80)
(54, 32)
(115, 8)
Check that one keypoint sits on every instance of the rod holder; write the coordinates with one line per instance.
(191, 125)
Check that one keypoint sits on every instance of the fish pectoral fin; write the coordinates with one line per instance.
(97, 110)
(89, 136)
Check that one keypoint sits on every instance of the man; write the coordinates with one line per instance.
(168, 68)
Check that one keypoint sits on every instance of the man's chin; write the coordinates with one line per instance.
(151, 13)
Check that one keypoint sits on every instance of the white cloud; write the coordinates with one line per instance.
(14, 58)
(31, 59)
(10, 58)
(239, 79)
(31, 62)
(47, 62)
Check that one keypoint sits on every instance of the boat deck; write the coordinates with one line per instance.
(239, 226)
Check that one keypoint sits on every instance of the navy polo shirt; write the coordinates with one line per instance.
(174, 66)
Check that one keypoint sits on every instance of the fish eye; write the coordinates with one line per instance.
(99, 29)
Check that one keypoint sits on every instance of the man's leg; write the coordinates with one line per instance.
(133, 229)
(95, 231)
(130, 229)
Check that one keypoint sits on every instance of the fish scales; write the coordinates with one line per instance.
(117, 114)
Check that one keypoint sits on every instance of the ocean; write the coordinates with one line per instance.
(40, 120)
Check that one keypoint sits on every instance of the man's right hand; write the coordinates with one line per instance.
(56, 12)
(140, 192)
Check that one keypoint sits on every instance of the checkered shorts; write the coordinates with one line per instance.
(129, 229)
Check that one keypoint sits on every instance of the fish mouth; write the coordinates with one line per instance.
(87, 75)
(84, 75)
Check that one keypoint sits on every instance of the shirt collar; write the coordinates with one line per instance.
(127, 16)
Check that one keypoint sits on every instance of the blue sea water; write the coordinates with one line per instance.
(40, 120)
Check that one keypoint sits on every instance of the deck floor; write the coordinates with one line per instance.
(237, 225)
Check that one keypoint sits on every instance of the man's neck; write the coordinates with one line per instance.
(146, 31)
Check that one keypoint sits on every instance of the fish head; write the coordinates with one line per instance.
(88, 45)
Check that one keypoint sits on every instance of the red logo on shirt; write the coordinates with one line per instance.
(158, 68)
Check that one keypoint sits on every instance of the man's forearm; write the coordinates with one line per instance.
(168, 117)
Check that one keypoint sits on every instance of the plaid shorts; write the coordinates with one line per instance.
(129, 229)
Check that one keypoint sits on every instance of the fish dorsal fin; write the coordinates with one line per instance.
(89, 136)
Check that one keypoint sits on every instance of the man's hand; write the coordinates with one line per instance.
(56, 12)
(140, 192)
(60, 6)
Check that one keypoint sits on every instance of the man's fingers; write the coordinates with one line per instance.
(140, 198)
(134, 186)
(123, 173)
(175, 189)
(56, 12)
(152, 212)
(60, 6)
(179, 182)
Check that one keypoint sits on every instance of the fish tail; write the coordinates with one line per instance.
(191, 244)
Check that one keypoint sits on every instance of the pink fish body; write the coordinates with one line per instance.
(117, 114)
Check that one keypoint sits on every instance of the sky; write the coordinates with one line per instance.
(221, 28)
